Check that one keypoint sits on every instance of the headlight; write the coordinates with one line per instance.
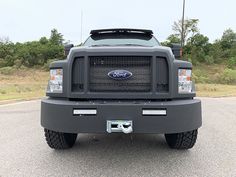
(185, 83)
(55, 82)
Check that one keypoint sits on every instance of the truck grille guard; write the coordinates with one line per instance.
(96, 81)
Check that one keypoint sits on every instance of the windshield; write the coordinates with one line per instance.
(119, 39)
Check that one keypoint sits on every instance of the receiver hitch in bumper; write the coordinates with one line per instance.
(125, 126)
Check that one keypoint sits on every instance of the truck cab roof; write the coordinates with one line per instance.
(121, 37)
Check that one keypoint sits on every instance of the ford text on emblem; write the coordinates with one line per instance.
(120, 74)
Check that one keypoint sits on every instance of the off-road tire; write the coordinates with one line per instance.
(59, 140)
(184, 140)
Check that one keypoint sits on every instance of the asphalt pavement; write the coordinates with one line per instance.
(24, 152)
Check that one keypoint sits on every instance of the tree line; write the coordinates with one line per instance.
(197, 47)
(34, 53)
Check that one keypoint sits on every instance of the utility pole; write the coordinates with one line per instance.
(182, 32)
(81, 27)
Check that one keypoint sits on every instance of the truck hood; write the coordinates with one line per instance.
(130, 49)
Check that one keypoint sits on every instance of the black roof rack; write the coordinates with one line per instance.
(121, 30)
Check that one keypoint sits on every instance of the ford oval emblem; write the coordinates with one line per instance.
(119, 74)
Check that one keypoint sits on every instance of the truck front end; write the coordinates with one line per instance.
(121, 80)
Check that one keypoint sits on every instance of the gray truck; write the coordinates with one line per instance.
(121, 81)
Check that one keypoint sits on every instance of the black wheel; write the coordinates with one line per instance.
(59, 140)
(184, 140)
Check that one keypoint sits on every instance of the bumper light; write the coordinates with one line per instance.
(154, 112)
(84, 112)
(55, 82)
(185, 83)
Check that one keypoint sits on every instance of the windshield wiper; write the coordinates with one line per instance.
(104, 45)
(100, 45)
(133, 45)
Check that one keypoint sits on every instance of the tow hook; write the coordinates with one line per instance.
(125, 126)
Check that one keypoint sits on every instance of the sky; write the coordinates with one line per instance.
(27, 20)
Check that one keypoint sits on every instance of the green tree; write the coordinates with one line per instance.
(43, 40)
(56, 38)
(190, 28)
(173, 38)
(199, 41)
(216, 51)
(228, 39)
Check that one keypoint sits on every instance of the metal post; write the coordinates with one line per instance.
(81, 26)
(182, 32)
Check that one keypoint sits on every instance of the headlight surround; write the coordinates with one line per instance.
(184, 82)
(55, 84)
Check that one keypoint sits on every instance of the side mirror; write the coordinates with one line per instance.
(67, 48)
(177, 50)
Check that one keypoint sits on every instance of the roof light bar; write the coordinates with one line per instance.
(121, 30)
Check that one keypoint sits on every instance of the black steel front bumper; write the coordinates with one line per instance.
(181, 115)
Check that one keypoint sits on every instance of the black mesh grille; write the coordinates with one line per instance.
(139, 66)
(78, 75)
(162, 75)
